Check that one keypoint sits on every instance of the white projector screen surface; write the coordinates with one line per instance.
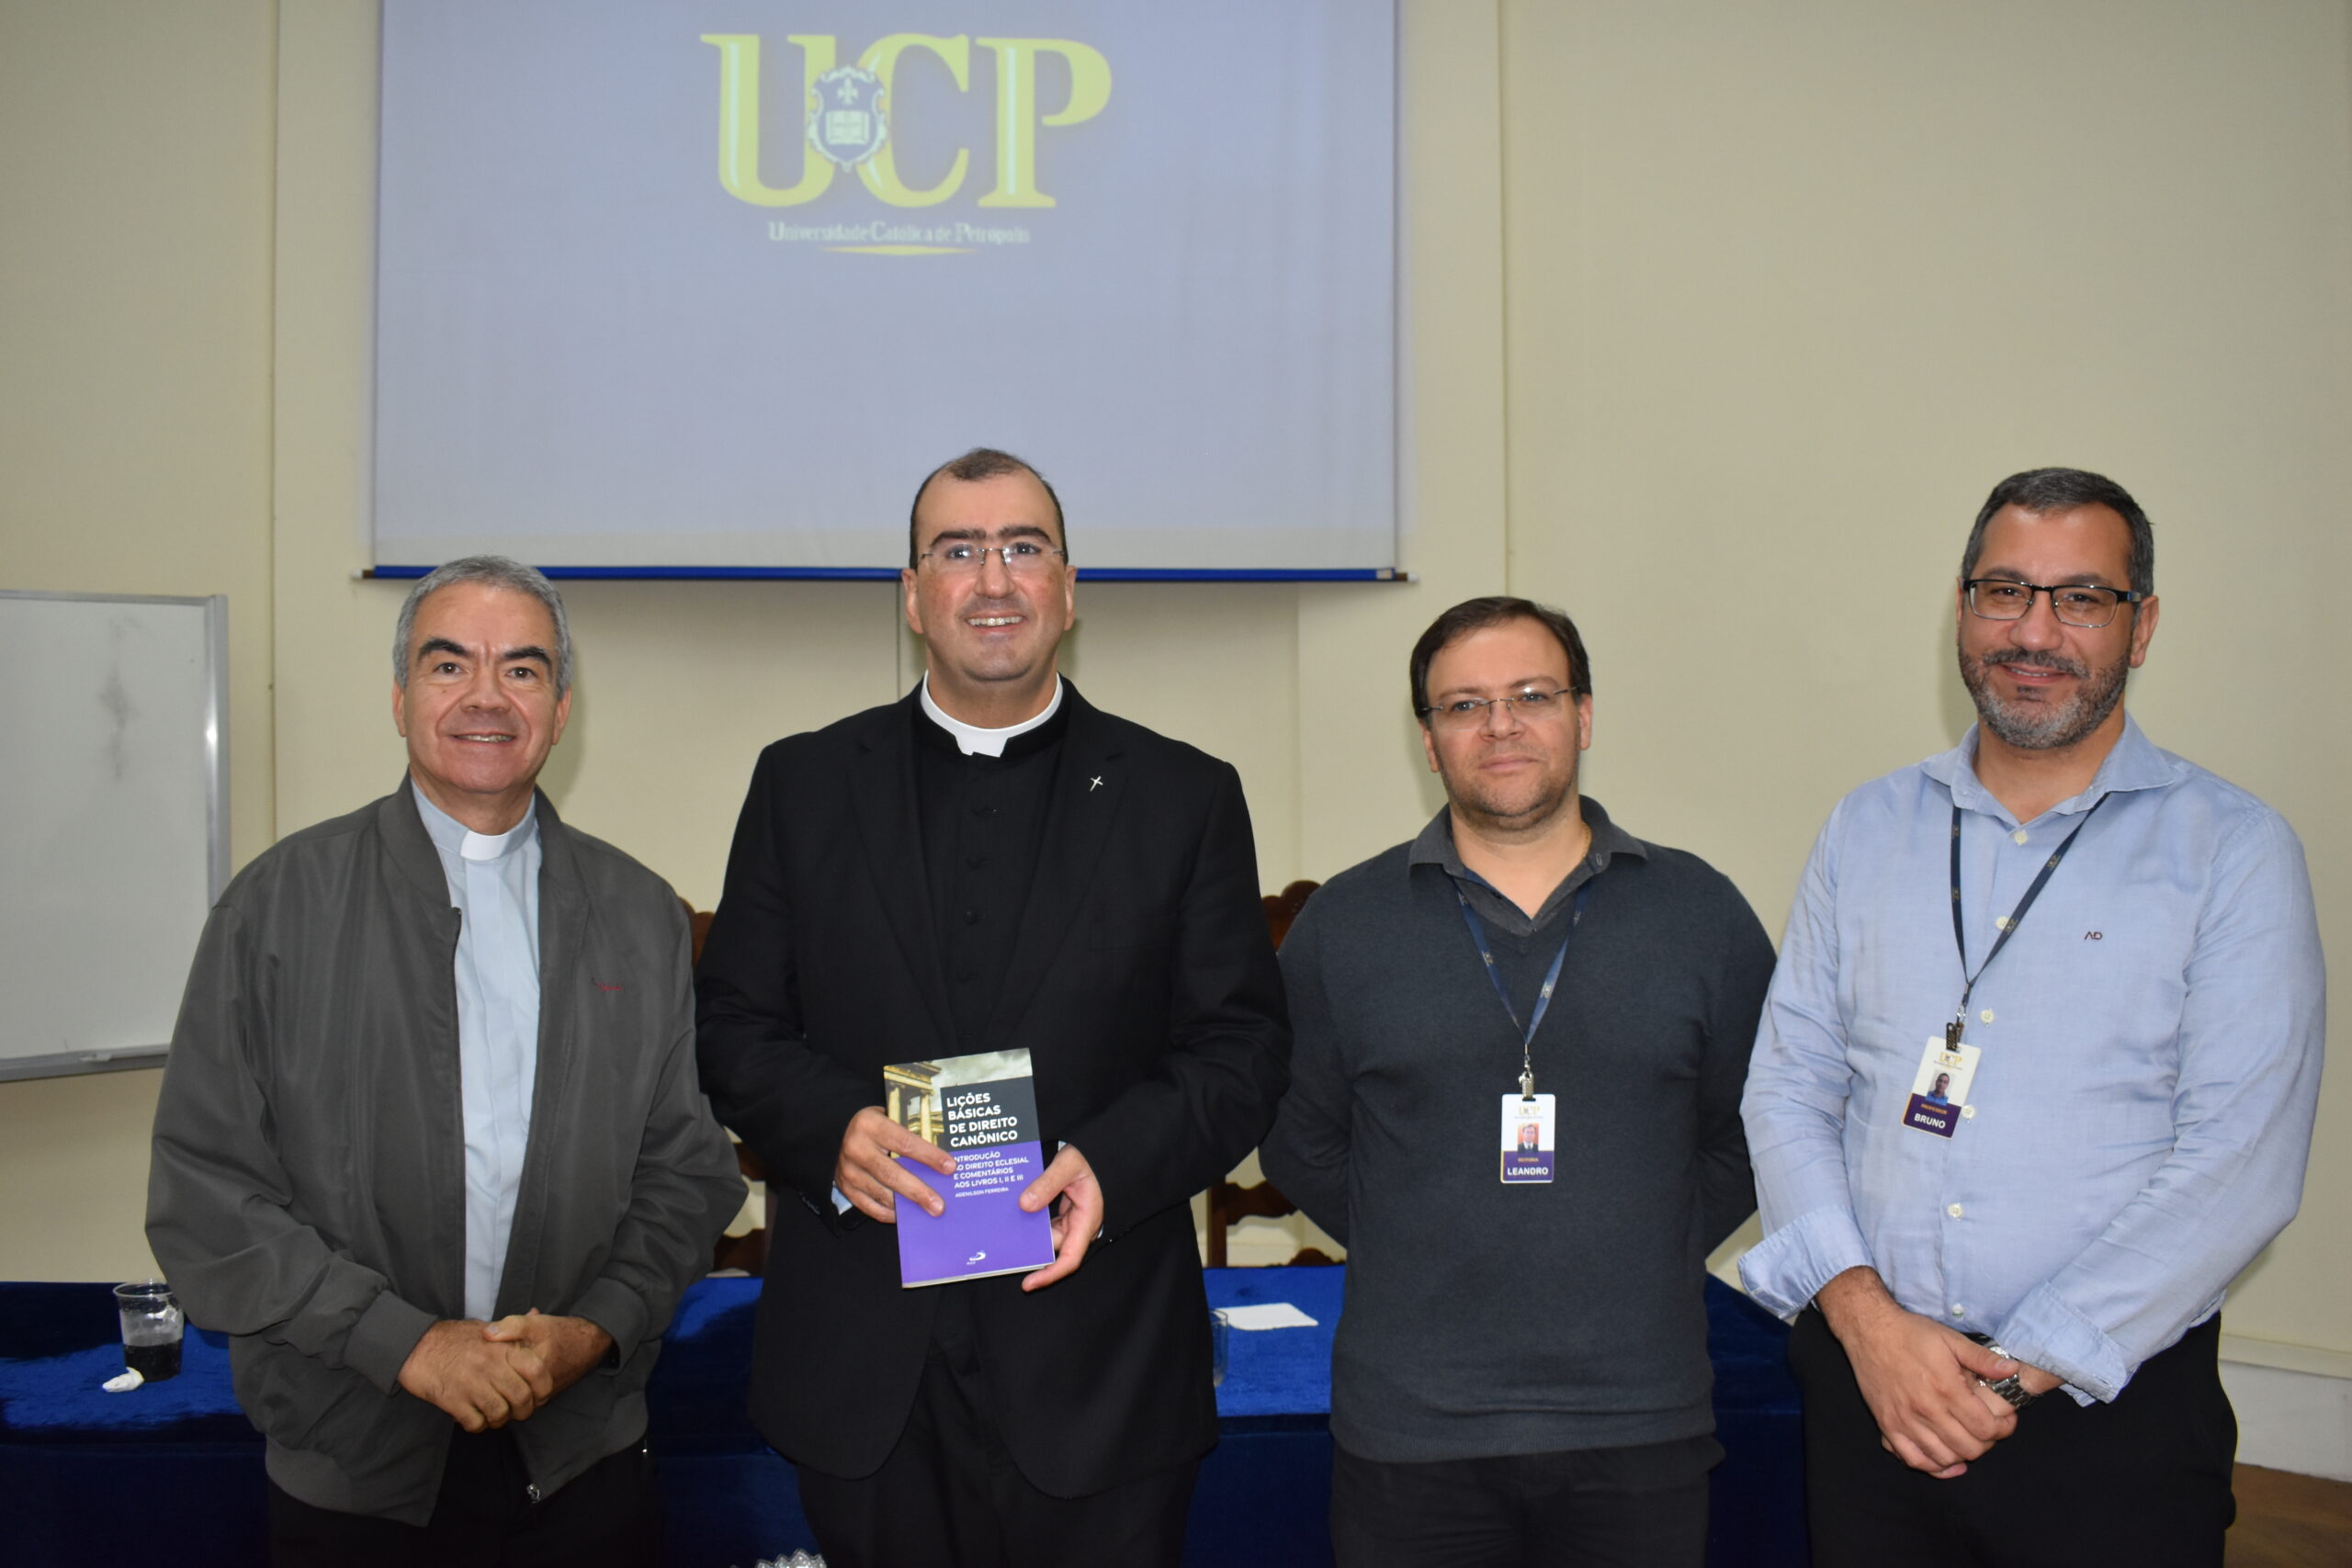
(640, 308)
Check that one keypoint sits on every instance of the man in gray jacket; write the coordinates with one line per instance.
(430, 1145)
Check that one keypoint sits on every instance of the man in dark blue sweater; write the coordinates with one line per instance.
(1522, 1372)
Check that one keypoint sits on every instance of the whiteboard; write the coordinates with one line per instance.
(114, 821)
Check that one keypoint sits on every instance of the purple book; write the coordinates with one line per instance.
(983, 1109)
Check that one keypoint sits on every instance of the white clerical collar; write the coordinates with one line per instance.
(451, 833)
(971, 739)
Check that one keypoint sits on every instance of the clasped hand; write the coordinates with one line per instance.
(1924, 1383)
(486, 1374)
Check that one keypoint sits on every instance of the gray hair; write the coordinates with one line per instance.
(498, 571)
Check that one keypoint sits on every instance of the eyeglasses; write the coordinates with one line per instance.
(1022, 558)
(1527, 707)
(2076, 604)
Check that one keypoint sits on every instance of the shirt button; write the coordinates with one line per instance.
(2001, 922)
(976, 862)
(980, 810)
(1986, 1015)
(2018, 835)
(964, 976)
(1954, 1211)
(1968, 1113)
(971, 916)
(1958, 1310)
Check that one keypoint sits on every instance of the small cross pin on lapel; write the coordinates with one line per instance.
(1095, 785)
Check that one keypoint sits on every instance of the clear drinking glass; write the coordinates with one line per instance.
(1220, 1344)
(151, 1326)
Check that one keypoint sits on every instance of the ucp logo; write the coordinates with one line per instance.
(850, 110)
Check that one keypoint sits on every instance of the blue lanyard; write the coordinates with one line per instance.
(1959, 1024)
(1543, 999)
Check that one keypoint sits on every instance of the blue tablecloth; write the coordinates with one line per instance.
(1262, 1493)
(173, 1470)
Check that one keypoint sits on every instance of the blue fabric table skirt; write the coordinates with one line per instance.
(172, 1471)
(1264, 1491)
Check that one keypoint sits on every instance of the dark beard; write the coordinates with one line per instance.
(2045, 726)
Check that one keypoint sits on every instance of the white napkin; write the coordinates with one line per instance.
(1272, 1314)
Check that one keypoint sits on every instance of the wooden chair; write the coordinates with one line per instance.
(1282, 907)
(748, 1251)
(1229, 1203)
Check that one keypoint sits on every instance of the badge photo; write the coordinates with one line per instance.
(1528, 1126)
(1940, 1091)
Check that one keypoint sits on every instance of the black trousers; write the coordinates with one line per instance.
(609, 1516)
(1631, 1507)
(2143, 1479)
(950, 1496)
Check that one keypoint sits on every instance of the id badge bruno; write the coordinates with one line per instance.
(1940, 1093)
(1528, 1125)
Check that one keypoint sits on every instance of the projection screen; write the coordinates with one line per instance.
(705, 287)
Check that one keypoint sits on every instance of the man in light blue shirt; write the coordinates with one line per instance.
(2111, 958)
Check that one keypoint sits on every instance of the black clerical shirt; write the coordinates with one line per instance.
(983, 822)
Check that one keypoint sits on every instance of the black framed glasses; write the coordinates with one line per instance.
(1022, 558)
(2083, 605)
(1528, 705)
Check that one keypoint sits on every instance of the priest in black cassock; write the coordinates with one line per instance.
(991, 863)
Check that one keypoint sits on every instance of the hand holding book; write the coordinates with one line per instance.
(867, 1174)
(1078, 1213)
(988, 1217)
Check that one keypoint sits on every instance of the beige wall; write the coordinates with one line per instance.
(1715, 319)
(135, 451)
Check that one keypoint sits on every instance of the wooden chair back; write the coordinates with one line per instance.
(1228, 1203)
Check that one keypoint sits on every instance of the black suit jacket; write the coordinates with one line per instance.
(1144, 987)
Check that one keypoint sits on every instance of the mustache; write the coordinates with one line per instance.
(2035, 658)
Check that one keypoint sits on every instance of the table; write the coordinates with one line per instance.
(1262, 1493)
(88, 1476)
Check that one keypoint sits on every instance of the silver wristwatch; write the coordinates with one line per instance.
(2009, 1388)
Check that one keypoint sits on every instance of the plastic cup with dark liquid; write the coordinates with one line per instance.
(151, 1326)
